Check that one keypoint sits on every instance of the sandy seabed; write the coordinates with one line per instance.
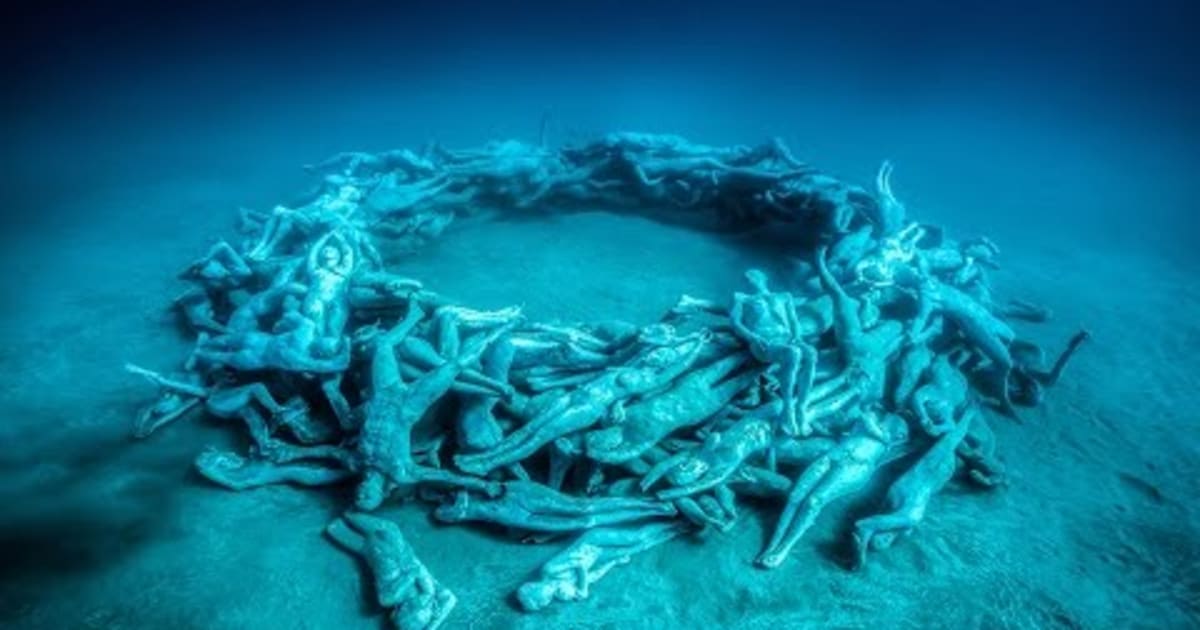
(1098, 528)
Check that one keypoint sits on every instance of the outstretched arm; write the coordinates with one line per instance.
(346, 261)
(845, 308)
(1051, 377)
(169, 384)
(314, 253)
(385, 367)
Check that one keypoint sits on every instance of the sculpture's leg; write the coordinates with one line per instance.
(346, 537)
(788, 359)
(259, 393)
(517, 445)
(806, 374)
(305, 427)
(331, 387)
(423, 474)
(260, 431)
(804, 487)
(462, 384)
(284, 453)
(562, 459)
(563, 523)
(538, 384)
(423, 356)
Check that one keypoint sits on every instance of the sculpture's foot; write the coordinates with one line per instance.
(770, 559)
(474, 464)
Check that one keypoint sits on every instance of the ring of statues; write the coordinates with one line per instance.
(887, 344)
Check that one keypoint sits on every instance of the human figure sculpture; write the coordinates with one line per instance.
(414, 599)
(331, 260)
(695, 397)
(224, 401)
(840, 472)
(909, 496)
(198, 311)
(690, 472)
(1029, 380)
(394, 407)
(294, 348)
(570, 574)
(221, 269)
(532, 506)
(767, 322)
(938, 402)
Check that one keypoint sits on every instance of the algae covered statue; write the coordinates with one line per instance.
(569, 576)
(403, 586)
(888, 344)
(767, 322)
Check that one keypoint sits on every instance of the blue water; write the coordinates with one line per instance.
(1067, 134)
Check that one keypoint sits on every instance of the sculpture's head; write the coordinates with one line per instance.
(216, 464)
(537, 595)
(657, 335)
(660, 358)
(758, 279)
(330, 257)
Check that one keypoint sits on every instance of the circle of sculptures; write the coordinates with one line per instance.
(888, 344)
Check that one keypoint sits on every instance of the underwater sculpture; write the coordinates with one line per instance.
(887, 343)
(909, 496)
(403, 586)
(570, 574)
(531, 506)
